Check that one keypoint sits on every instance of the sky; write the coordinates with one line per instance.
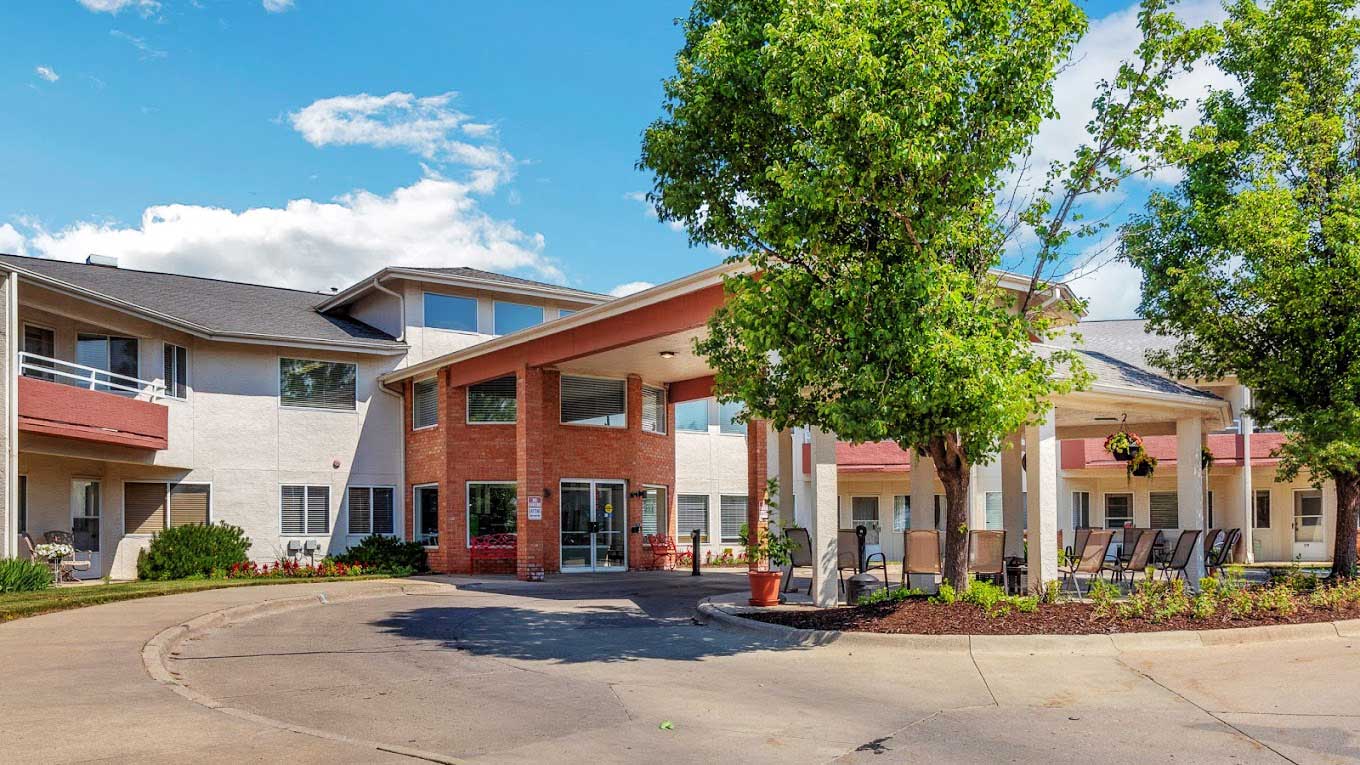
(309, 143)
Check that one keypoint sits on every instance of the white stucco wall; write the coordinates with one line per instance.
(711, 464)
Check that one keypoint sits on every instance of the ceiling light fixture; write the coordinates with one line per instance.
(667, 354)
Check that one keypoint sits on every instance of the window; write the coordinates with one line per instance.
(425, 404)
(655, 518)
(594, 401)
(425, 508)
(901, 512)
(1262, 507)
(1081, 509)
(450, 312)
(23, 503)
(1209, 508)
(733, 516)
(692, 416)
(317, 384)
(1164, 512)
(727, 418)
(995, 517)
(864, 510)
(653, 409)
(371, 510)
(176, 371)
(40, 341)
(115, 355)
(305, 510)
(941, 511)
(691, 513)
(491, 508)
(512, 317)
(151, 506)
(563, 313)
(492, 401)
(1118, 510)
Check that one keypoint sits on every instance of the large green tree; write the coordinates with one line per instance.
(853, 153)
(1253, 261)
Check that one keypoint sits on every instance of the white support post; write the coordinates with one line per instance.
(783, 456)
(1041, 462)
(1246, 426)
(1012, 495)
(1190, 490)
(824, 522)
(922, 508)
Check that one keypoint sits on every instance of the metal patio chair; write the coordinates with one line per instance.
(1092, 559)
(1222, 555)
(1140, 557)
(1128, 540)
(801, 554)
(1210, 540)
(987, 555)
(849, 557)
(1180, 555)
(1079, 537)
(921, 553)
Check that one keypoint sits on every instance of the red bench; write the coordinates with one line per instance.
(498, 547)
(663, 551)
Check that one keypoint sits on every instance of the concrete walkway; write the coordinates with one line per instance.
(612, 669)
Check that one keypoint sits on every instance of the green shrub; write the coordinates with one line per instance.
(192, 551)
(1156, 601)
(1279, 599)
(19, 575)
(1103, 593)
(946, 595)
(385, 554)
(890, 595)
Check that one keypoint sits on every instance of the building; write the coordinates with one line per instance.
(444, 404)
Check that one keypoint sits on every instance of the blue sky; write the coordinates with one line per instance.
(307, 143)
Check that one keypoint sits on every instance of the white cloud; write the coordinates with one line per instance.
(145, 7)
(630, 287)
(1111, 287)
(422, 125)
(641, 198)
(1110, 40)
(305, 244)
(47, 73)
(277, 6)
(147, 51)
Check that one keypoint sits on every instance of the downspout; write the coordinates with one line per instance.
(401, 407)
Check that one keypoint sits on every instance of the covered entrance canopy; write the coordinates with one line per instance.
(648, 338)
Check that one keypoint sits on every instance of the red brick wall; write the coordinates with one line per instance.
(537, 452)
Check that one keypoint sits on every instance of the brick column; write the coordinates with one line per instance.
(633, 504)
(529, 438)
(757, 469)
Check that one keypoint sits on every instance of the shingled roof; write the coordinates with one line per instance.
(213, 306)
(477, 273)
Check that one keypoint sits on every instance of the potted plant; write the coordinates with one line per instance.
(1123, 445)
(1142, 464)
(769, 551)
(1206, 458)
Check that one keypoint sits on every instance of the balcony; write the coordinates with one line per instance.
(59, 398)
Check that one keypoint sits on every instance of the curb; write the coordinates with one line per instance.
(711, 613)
(163, 645)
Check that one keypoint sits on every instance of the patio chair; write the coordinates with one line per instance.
(1091, 561)
(1180, 555)
(1128, 541)
(1140, 557)
(663, 551)
(801, 554)
(987, 555)
(848, 557)
(1079, 538)
(1210, 540)
(1222, 555)
(65, 569)
(921, 553)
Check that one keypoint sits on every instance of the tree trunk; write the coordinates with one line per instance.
(1347, 508)
(953, 469)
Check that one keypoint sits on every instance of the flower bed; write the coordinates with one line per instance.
(725, 559)
(1151, 607)
(291, 569)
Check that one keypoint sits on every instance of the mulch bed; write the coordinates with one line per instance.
(920, 617)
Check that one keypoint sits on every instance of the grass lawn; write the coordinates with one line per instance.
(17, 605)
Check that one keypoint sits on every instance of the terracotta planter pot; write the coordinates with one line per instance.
(764, 587)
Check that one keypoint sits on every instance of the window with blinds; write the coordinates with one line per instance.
(594, 401)
(492, 401)
(176, 360)
(653, 409)
(1118, 510)
(691, 512)
(995, 516)
(143, 508)
(654, 520)
(317, 384)
(901, 512)
(304, 510)
(1164, 510)
(1081, 509)
(733, 511)
(189, 504)
(370, 510)
(425, 404)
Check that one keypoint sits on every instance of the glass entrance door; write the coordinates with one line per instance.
(594, 526)
(85, 512)
(1308, 530)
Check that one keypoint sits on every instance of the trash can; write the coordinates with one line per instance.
(860, 585)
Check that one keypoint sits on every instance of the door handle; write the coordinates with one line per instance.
(593, 527)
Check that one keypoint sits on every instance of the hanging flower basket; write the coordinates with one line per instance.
(1123, 445)
(1206, 458)
(1142, 464)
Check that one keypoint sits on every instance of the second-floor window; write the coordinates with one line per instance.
(314, 384)
(425, 404)
(492, 401)
(728, 414)
(594, 401)
(176, 371)
(512, 317)
(653, 409)
(450, 312)
(692, 416)
(110, 353)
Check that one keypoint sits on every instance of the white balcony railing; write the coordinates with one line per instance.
(81, 376)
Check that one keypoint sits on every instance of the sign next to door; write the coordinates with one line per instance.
(535, 508)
